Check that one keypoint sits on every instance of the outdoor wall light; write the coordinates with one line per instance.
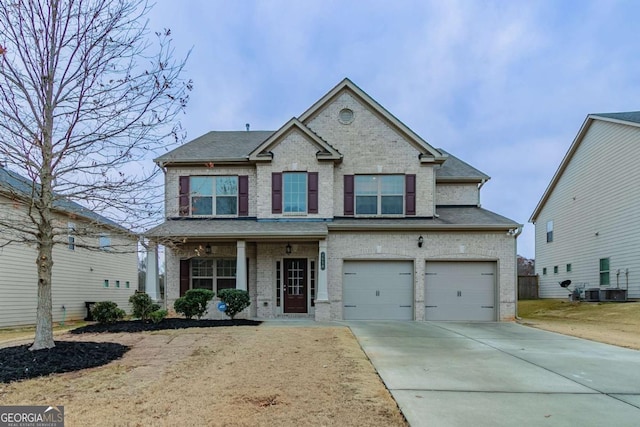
(420, 241)
(287, 249)
(207, 249)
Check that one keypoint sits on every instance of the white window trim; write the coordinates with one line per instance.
(306, 194)
(71, 237)
(379, 197)
(104, 245)
(214, 273)
(214, 196)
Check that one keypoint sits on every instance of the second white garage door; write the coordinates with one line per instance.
(375, 290)
(460, 291)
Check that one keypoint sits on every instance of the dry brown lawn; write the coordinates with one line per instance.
(228, 376)
(611, 323)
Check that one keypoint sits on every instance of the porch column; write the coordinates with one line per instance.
(151, 284)
(322, 295)
(323, 307)
(241, 265)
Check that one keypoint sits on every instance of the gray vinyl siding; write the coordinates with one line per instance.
(78, 276)
(599, 192)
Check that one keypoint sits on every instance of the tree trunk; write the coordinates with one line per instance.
(44, 318)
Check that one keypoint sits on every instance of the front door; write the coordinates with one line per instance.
(295, 285)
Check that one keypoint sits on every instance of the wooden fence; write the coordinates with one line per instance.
(527, 287)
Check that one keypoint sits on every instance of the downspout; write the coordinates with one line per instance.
(479, 187)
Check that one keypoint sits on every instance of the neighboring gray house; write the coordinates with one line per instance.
(107, 271)
(342, 213)
(587, 223)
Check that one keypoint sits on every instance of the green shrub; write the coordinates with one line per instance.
(142, 305)
(107, 312)
(235, 299)
(158, 315)
(186, 307)
(194, 303)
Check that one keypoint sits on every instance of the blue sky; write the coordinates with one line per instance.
(504, 85)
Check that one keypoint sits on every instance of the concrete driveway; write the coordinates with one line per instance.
(501, 374)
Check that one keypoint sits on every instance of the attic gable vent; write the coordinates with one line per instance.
(345, 116)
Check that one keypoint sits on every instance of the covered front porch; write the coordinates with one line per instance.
(283, 265)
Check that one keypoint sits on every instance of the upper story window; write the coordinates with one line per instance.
(104, 242)
(71, 227)
(379, 194)
(214, 195)
(295, 192)
(549, 231)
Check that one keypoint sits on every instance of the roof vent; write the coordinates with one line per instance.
(345, 116)
(248, 126)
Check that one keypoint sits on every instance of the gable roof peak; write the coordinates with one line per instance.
(428, 153)
(263, 151)
(626, 116)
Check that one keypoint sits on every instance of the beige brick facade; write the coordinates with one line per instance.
(458, 194)
(373, 142)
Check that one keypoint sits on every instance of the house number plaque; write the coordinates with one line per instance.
(322, 261)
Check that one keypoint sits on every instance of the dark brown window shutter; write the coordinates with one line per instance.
(183, 192)
(312, 192)
(410, 194)
(184, 276)
(243, 195)
(276, 192)
(348, 194)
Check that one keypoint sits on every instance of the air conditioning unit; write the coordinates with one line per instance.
(592, 294)
(615, 295)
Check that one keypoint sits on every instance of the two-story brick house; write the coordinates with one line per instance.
(342, 213)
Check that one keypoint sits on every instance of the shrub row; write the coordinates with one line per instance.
(193, 303)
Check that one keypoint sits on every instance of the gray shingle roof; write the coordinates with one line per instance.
(15, 184)
(234, 145)
(630, 116)
(235, 228)
(471, 216)
(454, 168)
(449, 217)
(217, 145)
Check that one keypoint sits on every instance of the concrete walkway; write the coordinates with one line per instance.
(501, 374)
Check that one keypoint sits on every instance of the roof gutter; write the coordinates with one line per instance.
(187, 162)
(434, 227)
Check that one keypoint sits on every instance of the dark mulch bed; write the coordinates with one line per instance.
(18, 363)
(172, 323)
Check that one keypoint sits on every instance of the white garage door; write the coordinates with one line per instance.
(375, 290)
(460, 291)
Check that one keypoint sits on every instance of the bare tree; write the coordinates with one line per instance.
(85, 97)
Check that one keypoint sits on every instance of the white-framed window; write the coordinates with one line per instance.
(214, 195)
(549, 231)
(294, 192)
(213, 274)
(71, 237)
(379, 194)
(104, 242)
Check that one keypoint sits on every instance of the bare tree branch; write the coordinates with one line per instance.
(88, 94)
